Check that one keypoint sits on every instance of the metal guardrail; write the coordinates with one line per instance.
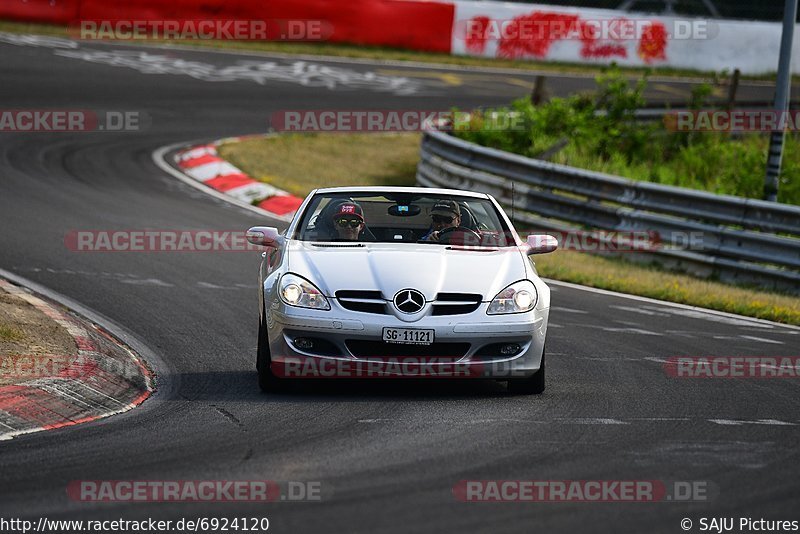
(735, 239)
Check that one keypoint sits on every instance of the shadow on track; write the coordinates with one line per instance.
(243, 386)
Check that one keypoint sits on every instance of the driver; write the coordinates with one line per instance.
(444, 214)
(348, 220)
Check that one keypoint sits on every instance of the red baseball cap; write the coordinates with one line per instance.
(349, 209)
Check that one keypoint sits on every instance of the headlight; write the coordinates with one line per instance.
(519, 297)
(297, 291)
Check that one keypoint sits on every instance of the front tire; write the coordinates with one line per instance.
(533, 385)
(267, 380)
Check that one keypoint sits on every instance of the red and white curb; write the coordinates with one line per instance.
(203, 163)
(105, 378)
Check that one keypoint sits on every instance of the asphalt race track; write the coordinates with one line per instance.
(387, 455)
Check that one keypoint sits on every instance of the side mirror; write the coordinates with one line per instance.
(266, 236)
(541, 244)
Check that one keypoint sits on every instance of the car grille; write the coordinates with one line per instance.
(361, 348)
(362, 301)
(456, 303)
(370, 301)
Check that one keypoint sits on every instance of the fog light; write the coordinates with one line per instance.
(303, 343)
(509, 349)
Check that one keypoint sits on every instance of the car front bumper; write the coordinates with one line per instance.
(347, 344)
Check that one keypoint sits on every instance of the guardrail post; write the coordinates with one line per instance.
(539, 95)
(732, 88)
(782, 87)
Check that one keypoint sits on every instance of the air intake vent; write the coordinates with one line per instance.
(362, 301)
(367, 349)
(456, 303)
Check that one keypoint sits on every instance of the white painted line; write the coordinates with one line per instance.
(255, 191)
(763, 340)
(147, 282)
(550, 73)
(733, 321)
(660, 419)
(196, 153)
(214, 169)
(74, 330)
(5, 425)
(642, 310)
(96, 391)
(57, 391)
(774, 422)
(631, 331)
(568, 310)
(681, 333)
(736, 422)
(592, 421)
(655, 359)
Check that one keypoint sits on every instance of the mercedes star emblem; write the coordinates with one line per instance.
(409, 300)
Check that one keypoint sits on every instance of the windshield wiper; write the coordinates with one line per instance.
(473, 247)
(338, 245)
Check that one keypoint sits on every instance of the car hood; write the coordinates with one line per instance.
(389, 268)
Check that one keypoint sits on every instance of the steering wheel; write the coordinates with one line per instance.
(446, 236)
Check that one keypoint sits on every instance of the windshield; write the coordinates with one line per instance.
(403, 218)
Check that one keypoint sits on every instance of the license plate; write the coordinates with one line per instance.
(408, 336)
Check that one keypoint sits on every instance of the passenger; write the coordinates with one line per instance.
(444, 214)
(348, 220)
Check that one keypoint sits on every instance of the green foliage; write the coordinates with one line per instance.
(600, 132)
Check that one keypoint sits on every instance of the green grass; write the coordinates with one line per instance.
(393, 54)
(9, 333)
(730, 167)
(301, 162)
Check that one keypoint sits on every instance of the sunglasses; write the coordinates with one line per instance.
(442, 219)
(343, 223)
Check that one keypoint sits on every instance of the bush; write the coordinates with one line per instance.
(600, 132)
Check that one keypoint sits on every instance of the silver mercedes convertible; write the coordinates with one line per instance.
(401, 282)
